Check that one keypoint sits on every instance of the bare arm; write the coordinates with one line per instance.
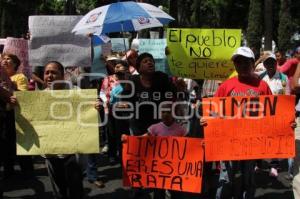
(295, 86)
(37, 79)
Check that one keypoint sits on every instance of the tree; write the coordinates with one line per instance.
(173, 7)
(254, 29)
(70, 7)
(234, 14)
(268, 20)
(285, 27)
(14, 16)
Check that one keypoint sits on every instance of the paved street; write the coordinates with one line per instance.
(39, 188)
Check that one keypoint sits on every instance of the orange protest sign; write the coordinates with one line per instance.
(241, 128)
(174, 163)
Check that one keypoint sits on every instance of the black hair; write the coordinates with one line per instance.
(141, 57)
(14, 59)
(60, 66)
(122, 62)
(282, 52)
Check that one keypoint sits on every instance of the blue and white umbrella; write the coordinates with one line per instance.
(121, 17)
(100, 39)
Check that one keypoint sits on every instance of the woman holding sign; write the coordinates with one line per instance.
(5, 95)
(64, 170)
(11, 63)
(148, 90)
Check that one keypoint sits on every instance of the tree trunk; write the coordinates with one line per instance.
(173, 5)
(254, 29)
(3, 19)
(268, 19)
(70, 7)
(1, 12)
(285, 27)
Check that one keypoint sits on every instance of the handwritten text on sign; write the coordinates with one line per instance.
(163, 162)
(51, 39)
(156, 47)
(57, 122)
(241, 128)
(202, 53)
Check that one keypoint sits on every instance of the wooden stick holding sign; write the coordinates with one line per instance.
(241, 128)
(174, 163)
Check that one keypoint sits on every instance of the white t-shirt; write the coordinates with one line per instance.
(276, 83)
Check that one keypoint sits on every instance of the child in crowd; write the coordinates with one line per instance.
(167, 127)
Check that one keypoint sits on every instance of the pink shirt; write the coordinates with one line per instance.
(289, 67)
(108, 83)
(160, 129)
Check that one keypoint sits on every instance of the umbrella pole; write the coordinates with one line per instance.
(124, 40)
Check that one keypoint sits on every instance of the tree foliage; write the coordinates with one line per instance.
(285, 27)
(254, 29)
(243, 14)
(268, 24)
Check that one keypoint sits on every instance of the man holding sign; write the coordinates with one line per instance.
(245, 84)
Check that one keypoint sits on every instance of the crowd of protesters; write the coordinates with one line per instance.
(271, 73)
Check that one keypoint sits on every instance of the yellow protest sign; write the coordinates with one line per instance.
(202, 53)
(57, 122)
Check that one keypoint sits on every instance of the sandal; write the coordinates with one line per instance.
(98, 183)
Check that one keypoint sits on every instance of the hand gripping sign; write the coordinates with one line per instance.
(174, 163)
(242, 128)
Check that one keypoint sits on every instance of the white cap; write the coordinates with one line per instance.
(243, 51)
(270, 56)
(112, 57)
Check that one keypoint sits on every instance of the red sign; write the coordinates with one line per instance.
(241, 128)
(174, 163)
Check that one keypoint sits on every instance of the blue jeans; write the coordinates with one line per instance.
(236, 180)
(290, 166)
(92, 167)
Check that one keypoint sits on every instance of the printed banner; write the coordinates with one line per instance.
(19, 47)
(202, 53)
(57, 122)
(156, 47)
(173, 163)
(242, 128)
(52, 40)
